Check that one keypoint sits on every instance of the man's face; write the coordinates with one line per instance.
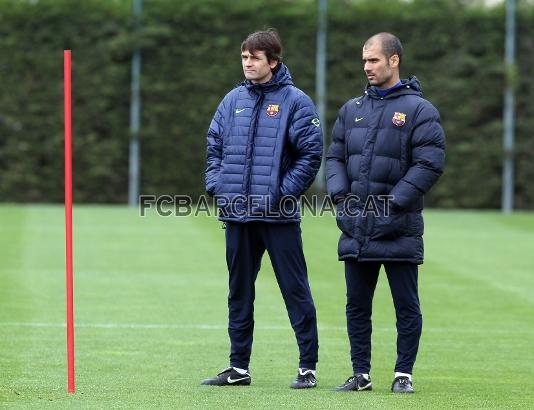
(380, 71)
(256, 67)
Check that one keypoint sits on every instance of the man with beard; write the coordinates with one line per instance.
(387, 151)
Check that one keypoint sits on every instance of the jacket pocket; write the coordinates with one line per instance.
(218, 184)
(217, 187)
(274, 198)
(389, 227)
(344, 220)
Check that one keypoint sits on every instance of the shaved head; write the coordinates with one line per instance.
(381, 57)
(387, 42)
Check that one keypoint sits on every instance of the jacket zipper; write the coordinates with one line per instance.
(250, 143)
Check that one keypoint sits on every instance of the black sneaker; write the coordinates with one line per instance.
(358, 382)
(305, 380)
(402, 384)
(229, 377)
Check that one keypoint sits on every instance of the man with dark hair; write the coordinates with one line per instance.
(388, 149)
(264, 146)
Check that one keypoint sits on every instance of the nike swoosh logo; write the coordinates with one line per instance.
(358, 119)
(232, 381)
(237, 111)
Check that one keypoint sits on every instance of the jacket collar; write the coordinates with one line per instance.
(280, 78)
(410, 86)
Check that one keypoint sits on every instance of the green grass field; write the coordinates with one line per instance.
(150, 309)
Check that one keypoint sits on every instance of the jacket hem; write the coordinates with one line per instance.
(268, 220)
(360, 259)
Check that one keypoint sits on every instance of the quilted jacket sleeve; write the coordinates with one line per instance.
(337, 181)
(214, 149)
(306, 140)
(428, 158)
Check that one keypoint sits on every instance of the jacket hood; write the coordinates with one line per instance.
(410, 86)
(280, 78)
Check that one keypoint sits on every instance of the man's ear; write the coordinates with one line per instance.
(394, 61)
(273, 64)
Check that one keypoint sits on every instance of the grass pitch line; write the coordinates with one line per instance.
(201, 326)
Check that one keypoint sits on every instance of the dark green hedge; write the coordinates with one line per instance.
(190, 52)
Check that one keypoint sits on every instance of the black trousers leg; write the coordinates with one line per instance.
(284, 244)
(244, 250)
(361, 279)
(402, 279)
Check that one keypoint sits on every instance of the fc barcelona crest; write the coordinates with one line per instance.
(273, 110)
(399, 119)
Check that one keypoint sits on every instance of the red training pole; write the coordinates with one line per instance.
(68, 217)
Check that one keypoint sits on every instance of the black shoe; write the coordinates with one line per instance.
(229, 377)
(358, 382)
(305, 380)
(402, 384)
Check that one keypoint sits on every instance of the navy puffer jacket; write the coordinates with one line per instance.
(392, 145)
(264, 144)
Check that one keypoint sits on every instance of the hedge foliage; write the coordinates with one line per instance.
(190, 60)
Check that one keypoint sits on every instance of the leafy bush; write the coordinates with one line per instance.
(190, 60)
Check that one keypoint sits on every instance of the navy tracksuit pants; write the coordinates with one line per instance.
(361, 279)
(245, 245)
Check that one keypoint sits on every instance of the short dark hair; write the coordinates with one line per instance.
(389, 43)
(265, 40)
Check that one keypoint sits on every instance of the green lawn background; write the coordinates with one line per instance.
(150, 310)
